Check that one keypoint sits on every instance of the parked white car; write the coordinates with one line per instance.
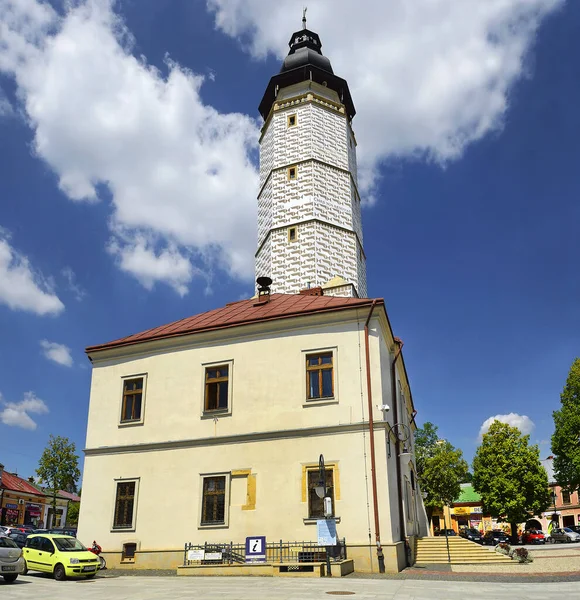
(11, 562)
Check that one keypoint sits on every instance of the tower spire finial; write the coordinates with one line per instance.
(304, 17)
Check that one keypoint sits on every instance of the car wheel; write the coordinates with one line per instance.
(568, 540)
(59, 573)
(10, 578)
(25, 572)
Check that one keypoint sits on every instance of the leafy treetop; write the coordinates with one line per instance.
(566, 437)
(509, 476)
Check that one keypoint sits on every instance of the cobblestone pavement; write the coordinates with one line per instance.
(276, 588)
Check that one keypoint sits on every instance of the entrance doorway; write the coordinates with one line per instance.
(568, 521)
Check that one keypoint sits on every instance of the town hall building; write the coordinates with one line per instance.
(211, 429)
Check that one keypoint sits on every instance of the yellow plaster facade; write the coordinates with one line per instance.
(265, 444)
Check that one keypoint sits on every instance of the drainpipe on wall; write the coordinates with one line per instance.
(380, 555)
(402, 526)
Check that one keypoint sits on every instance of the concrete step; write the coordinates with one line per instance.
(433, 550)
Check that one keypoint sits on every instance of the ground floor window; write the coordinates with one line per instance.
(213, 501)
(125, 497)
(316, 504)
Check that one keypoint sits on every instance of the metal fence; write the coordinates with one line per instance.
(276, 552)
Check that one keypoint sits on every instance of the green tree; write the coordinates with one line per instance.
(72, 514)
(440, 468)
(509, 476)
(444, 471)
(566, 437)
(425, 445)
(58, 467)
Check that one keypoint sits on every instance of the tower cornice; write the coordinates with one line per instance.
(307, 160)
(308, 97)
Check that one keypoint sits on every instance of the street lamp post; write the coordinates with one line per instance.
(322, 492)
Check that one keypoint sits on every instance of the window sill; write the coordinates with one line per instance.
(128, 561)
(216, 526)
(123, 530)
(226, 412)
(320, 402)
(310, 521)
(131, 423)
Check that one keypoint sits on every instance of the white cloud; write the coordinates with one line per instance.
(58, 353)
(21, 288)
(180, 173)
(78, 292)
(16, 414)
(428, 77)
(522, 422)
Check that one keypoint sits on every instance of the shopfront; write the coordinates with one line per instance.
(10, 514)
(33, 513)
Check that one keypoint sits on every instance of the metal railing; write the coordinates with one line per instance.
(276, 552)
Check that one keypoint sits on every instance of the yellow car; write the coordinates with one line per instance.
(62, 555)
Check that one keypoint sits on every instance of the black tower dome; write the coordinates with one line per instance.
(305, 62)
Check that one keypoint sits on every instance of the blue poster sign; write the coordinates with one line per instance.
(326, 531)
(256, 548)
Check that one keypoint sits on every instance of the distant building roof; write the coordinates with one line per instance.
(11, 481)
(468, 494)
(69, 496)
(244, 312)
(548, 464)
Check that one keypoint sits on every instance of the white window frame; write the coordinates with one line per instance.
(210, 414)
(320, 401)
(227, 503)
(116, 482)
(140, 421)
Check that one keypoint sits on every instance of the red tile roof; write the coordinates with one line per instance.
(244, 312)
(69, 496)
(17, 484)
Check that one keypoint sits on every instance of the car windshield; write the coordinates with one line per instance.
(69, 544)
(6, 542)
(568, 530)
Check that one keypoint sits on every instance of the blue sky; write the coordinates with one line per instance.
(128, 139)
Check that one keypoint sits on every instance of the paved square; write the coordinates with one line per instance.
(268, 588)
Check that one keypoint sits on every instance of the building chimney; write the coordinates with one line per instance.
(312, 291)
(264, 284)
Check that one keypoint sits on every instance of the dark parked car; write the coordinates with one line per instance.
(470, 533)
(494, 537)
(64, 531)
(19, 538)
(449, 532)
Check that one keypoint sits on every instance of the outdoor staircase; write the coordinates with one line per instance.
(433, 550)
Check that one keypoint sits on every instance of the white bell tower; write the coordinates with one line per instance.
(309, 216)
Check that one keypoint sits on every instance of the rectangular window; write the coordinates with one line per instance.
(213, 503)
(292, 120)
(124, 505)
(292, 173)
(129, 551)
(132, 400)
(292, 234)
(216, 388)
(565, 497)
(319, 376)
(316, 504)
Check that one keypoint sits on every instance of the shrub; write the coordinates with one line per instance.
(504, 548)
(522, 555)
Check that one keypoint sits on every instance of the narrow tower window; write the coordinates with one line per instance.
(292, 120)
(292, 234)
(292, 173)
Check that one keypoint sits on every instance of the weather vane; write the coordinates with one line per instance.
(304, 17)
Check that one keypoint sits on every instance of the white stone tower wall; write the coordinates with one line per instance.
(322, 201)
